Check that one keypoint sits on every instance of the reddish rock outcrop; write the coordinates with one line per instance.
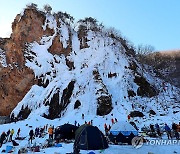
(17, 79)
(14, 85)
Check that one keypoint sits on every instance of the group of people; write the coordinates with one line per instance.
(108, 127)
(48, 129)
(8, 136)
(174, 132)
(40, 132)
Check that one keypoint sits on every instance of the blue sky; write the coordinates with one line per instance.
(152, 22)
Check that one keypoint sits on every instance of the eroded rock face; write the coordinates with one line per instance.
(104, 105)
(77, 104)
(65, 99)
(131, 93)
(57, 104)
(104, 100)
(16, 78)
(14, 85)
(145, 89)
(57, 47)
(23, 114)
(25, 29)
(54, 106)
(136, 114)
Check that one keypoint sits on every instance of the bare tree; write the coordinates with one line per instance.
(47, 8)
(31, 6)
(143, 53)
(65, 17)
(90, 23)
(161, 64)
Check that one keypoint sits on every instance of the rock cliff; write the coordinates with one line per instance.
(48, 67)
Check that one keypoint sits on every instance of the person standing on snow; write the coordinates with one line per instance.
(50, 131)
(82, 115)
(18, 132)
(109, 127)
(175, 130)
(31, 135)
(132, 106)
(2, 138)
(37, 132)
(11, 134)
(152, 128)
(158, 129)
(112, 120)
(105, 127)
(129, 117)
(92, 122)
(168, 131)
(7, 133)
(75, 122)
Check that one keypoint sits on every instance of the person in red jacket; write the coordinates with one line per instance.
(129, 117)
(112, 120)
(105, 127)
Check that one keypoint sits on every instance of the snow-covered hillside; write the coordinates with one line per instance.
(100, 78)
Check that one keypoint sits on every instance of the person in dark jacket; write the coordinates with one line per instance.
(41, 132)
(168, 131)
(18, 132)
(82, 115)
(2, 138)
(31, 135)
(7, 133)
(158, 129)
(176, 135)
(37, 132)
(152, 128)
(174, 127)
(92, 122)
(75, 122)
(1, 143)
(175, 132)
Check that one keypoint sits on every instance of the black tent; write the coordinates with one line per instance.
(66, 131)
(88, 137)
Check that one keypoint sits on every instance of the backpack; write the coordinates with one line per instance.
(14, 143)
(36, 149)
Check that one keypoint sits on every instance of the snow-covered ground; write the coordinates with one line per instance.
(33, 122)
(113, 149)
